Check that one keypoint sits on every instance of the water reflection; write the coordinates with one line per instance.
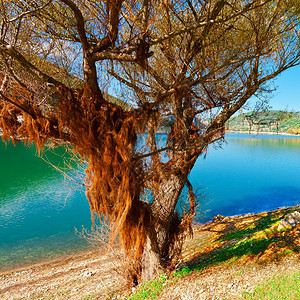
(38, 213)
(268, 141)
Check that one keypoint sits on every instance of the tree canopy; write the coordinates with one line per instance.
(184, 60)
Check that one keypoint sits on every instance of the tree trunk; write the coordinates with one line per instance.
(156, 257)
(151, 263)
(163, 206)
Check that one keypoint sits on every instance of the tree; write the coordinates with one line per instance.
(192, 62)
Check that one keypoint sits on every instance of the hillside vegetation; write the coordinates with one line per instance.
(266, 122)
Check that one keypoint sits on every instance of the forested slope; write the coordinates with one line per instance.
(266, 122)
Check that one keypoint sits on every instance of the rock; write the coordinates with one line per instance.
(181, 266)
(230, 285)
(89, 274)
(219, 218)
(290, 220)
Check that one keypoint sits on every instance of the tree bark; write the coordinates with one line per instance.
(163, 206)
(156, 256)
(151, 263)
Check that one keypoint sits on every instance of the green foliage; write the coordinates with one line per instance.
(150, 289)
(279, 287)
(269, 121)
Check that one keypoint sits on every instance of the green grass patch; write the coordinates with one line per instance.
(259, 240)
(220, 255)
(262, 224)
(277, 288)
(181, 273)
(90, 297)
(150, 289)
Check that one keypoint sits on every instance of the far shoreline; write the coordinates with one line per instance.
(285, 134)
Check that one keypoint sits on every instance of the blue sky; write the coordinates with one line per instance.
(287, 94)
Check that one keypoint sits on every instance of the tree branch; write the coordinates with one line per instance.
(248, 7)
(21, 107)
(97, 56)
(23, 14)
(138, 90)
(113, 10)
(79, 24)
(9, 50)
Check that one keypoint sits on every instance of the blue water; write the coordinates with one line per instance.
(39, 210)
(250, 174)
(39, 214)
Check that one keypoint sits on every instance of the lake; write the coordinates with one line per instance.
(39, 211)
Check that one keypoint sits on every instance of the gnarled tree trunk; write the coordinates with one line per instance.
(160, 252)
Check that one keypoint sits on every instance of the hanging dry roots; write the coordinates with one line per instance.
(102, 133)
(105, 135)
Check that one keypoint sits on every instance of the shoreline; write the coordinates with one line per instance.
(100, 273)
(47, 261)
(264, 133)
(93, 250)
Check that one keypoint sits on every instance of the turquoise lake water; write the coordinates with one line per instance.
(39, 213)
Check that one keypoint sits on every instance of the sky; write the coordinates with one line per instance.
(287, 95)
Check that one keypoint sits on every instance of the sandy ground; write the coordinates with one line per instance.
(94, 276)
(73, 277)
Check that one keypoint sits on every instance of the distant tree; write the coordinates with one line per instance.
(262, 116)
(279, 116)
(188, 61)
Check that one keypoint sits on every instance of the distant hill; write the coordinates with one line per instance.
(71, 80)
(118, 101)
(272, 121)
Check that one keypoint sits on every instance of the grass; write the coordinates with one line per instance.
(150, 289)
(277, 288)
(239, 241)
(259, 240)
(259, 225)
